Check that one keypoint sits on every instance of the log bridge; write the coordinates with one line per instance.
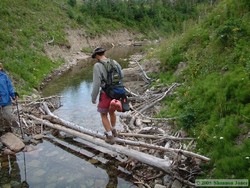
(151, 149)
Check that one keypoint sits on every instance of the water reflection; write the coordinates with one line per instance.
(99, 160)
(60, 164)
(9, 170)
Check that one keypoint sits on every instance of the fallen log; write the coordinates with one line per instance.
(166, 137)
(58, 120)
(140, 156)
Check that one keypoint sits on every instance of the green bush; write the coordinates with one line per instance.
(142, 15)
(72, 3)
(230, 32)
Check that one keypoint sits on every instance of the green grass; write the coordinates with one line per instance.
(213, 104)
(26, 26)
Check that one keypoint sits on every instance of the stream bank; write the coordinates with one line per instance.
(79, 47)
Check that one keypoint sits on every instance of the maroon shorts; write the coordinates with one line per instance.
(104, 102)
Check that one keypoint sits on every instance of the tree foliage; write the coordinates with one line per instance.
(163, 15)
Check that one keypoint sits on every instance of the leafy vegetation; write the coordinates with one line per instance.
(26, 26)
(213, 104)
(162, 16)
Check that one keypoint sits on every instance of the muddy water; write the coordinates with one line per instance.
(68, 162)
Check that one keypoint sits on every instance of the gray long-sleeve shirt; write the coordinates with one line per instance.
(100, 73)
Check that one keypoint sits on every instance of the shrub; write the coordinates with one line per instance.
(72, 3)
(230, 32)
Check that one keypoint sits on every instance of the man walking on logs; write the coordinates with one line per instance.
(107, 104)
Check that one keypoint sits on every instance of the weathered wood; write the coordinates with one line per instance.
(140, 156)
(149, 102)
(144, 74)
(159, 99)
(151, 146)
(165, 137)
(56, 119)
(85, 152)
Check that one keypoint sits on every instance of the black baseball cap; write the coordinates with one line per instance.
(97, 50)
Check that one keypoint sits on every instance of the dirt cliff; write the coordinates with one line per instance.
(77, 41)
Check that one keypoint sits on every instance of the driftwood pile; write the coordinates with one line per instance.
(154, 153)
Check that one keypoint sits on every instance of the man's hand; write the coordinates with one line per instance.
(16, 96)
(94, 102)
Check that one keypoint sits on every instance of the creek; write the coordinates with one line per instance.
(58, 162)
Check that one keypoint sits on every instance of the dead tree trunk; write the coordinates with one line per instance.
(56, 119)
(140, 156)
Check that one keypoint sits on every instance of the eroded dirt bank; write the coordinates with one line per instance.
(78, 42)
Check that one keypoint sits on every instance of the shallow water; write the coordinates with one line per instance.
(69, 163)
(57, 163)
(75, 87)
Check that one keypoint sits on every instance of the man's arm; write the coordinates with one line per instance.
(10, 88)
(96, 83)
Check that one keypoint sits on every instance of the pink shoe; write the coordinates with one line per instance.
(115, 105)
